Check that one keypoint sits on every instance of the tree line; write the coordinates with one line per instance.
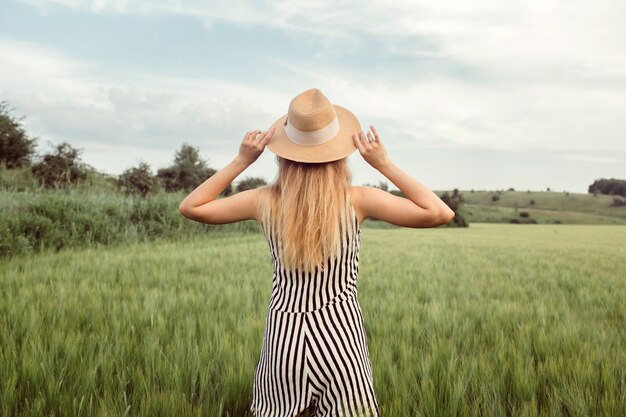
(62, 167)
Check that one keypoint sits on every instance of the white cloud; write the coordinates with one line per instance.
(483, 32)
(83, 97)
(67, 100)
(546, 75)
(591, 158)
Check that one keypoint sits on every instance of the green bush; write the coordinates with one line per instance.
(60, 168)
(16, 146)
(138, 180)
(250, 183)
(37, 221)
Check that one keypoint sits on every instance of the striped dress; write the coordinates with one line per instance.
(314, 354)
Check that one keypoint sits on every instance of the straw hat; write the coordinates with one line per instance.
(314, 130)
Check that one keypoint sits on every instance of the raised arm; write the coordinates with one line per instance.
(421, 208)
(202, 204)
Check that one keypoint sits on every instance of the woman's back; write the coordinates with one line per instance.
(314, 353)
(297, 291)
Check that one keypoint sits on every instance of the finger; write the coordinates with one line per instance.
(366, 144)
(376, 137)
(250, 135)
(360, 139)
(357, 141)
(261, 137)
(370, 136)
(268, 135)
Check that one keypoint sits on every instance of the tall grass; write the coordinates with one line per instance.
(52, 220)
(490, 320)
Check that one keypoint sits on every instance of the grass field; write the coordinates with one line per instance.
(546, 207)
(490, 320)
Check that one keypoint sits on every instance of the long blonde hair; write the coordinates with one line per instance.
(307, 209)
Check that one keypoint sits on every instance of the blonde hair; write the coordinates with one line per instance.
(307, 211)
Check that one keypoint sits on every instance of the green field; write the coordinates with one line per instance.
(543, 206)
(490, 320)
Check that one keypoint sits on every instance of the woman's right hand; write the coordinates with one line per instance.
(373, 152)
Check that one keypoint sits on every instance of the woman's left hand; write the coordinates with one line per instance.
(253, 144)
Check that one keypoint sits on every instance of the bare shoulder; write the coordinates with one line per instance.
(259, 193)
(262, 188)
(360, 196)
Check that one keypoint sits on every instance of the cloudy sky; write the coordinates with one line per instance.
(485, 94)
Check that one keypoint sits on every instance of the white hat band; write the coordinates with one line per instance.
(314, 137)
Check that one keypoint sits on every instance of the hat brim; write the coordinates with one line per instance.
(341, 146)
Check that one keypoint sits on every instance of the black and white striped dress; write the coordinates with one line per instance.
(315, 354)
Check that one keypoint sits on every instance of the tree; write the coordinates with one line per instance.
(249, 183)
(454, 201)
(62, 167)
(138, 180)
(187, 172)
(16, 147)
(611, 186)
(381, 185)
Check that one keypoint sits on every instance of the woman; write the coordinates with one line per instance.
(315, 353)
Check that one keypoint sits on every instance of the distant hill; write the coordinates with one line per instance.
(548, 207)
